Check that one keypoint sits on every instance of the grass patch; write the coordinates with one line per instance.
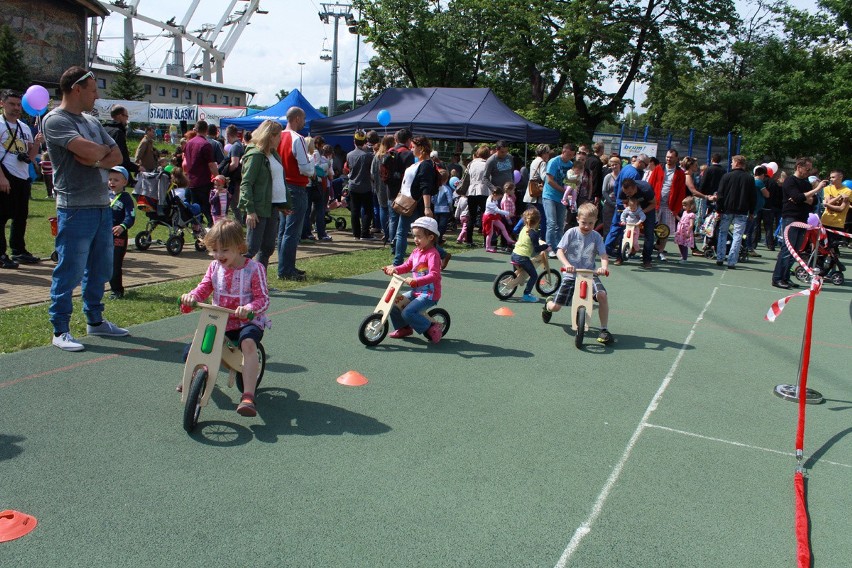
(28, 326)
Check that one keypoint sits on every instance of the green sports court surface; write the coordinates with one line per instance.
(503, 446)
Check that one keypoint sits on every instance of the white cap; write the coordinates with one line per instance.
(427, 223)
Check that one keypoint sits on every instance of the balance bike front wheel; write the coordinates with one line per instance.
(625, 251)
(192, 409)
(581, 327)
(372, 331)
(503, 288)
(442, 318)
(261, 360)
(548, 282)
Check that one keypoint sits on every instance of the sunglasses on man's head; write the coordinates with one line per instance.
(88, 75)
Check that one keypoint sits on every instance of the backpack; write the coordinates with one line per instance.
(390, 170)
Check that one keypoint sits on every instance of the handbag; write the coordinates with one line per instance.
(535, 187)
(404, 204)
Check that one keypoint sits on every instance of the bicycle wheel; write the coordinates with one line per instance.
(581, 327)
(442, 317)
(372, 331)
(143, 240)
(548, 282)
(503, 288)
(261, 359)
(192, 409)
(625, 251)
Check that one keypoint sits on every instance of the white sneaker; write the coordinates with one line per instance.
(551, 255)
(663, 257)
(66, 342)
(108, 329)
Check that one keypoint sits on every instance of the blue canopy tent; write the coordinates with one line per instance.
(441, 113)
(278, 113)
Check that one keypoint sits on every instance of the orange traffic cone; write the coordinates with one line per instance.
(14, 524)
(352, 379)
(504, 312)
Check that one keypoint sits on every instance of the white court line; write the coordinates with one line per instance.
(740, 444)
(586, 527)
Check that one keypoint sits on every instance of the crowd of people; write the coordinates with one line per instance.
(278, 186)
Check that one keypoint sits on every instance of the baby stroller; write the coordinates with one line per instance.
(824, 258)
(710, 230)
(165, 208)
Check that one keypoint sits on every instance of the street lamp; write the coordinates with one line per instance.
(301, 68)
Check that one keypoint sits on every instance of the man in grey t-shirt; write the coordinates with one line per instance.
(358, 163)
(82, 153)
(499, 167)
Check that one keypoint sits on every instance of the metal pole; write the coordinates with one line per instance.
(739, 143)
(301, 68)
(730, 143)
(332, 94)
(645, 136)
(709, 148)
(691, 139)
(669, 147)
(355, 87)
(621, 139)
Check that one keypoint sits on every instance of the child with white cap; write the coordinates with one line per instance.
(123, 217)
(425, 265)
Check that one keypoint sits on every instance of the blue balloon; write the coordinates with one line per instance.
(847, 183)
(384, 117)
(27, 108)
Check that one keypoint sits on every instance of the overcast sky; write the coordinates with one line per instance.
(267, 56)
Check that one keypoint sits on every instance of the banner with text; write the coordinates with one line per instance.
(634, 148)
(160, 113)
(212, 114)
(138, 110)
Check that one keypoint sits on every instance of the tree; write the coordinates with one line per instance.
(540, 51)
(13, 72)
(282, 94)
(127, 85)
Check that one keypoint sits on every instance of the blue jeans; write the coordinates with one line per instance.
(650, 236)
(616, 232)
(410, 315)
(403, 225)
(393, 220)
(290, 230)
(261, 239)
(526, 263)
(555, 213)
(785, 260)
(85, 247)
(740, 222)
(314, 213)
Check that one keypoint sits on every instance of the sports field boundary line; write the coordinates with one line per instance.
(739, 444)
(586, 527)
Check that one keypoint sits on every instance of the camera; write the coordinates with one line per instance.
(24, 157)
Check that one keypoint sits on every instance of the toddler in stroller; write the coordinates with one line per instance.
(164, 206)
(710, 230)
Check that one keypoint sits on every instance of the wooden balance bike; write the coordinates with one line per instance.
(374, 328)
(209, 350)
(508, 282)
(582, 304)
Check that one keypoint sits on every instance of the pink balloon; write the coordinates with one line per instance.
(517, 177)
(227, 148)
(38, 97)
(813, 220)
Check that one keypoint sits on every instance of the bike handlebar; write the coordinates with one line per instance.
(584, 271)
(186, 309)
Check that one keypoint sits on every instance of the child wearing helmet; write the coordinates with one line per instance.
(425, 266)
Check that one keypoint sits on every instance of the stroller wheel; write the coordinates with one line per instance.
(708, 253)
(837, 279)
(143, 240)
(802, 275)
(199, 245)
(340, 223)
(174, 245)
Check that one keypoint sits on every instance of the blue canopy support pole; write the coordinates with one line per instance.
(645, 136)
(709, 148)
(691, 140)
(730, 143)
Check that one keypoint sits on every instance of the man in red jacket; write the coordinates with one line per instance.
(669, 183)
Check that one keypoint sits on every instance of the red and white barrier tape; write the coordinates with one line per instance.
(777, 307)
(816, 281)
